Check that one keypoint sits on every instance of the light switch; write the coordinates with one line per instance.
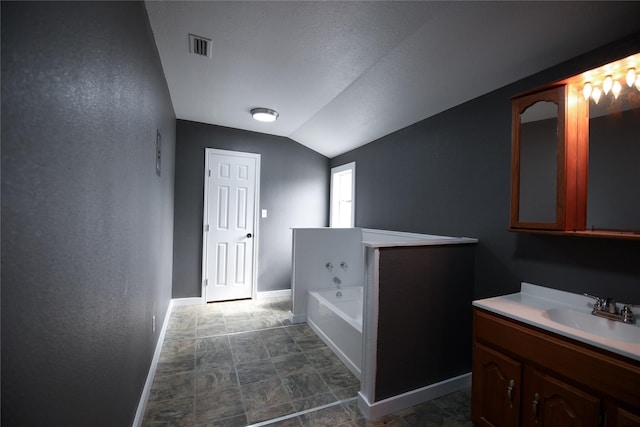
(264, 213)
(158, 151)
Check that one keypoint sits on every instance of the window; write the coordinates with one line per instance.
(343, 193)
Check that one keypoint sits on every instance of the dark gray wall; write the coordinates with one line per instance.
(424, 332)
(452, 176)
(86, 223)
(294, 188)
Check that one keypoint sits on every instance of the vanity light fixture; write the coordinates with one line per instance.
(631, 76)
(586, 90)
(610, 78)
(264, 114)
(606, 85)
(616, 88)
(595, 94)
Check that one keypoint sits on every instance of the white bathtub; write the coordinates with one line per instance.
(338, 322)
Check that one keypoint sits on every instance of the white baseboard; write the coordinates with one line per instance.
(274, 294)
(142, 404)
(373, 411)
(297, 318)
(187, 301)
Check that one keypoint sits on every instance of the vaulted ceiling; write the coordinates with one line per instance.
(342, 74)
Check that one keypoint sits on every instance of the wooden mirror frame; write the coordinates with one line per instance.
(573, 153)
(572, 160)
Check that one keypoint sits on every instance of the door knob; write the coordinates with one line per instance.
(249, 235)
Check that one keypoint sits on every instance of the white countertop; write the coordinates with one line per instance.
(385, 239)
(532, 302)
(374, 238)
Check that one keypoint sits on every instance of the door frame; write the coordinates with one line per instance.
(256, 219)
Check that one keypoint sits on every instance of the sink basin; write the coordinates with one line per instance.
(594, 325)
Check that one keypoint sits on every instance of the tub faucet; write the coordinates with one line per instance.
(610, 306)
(337, 281)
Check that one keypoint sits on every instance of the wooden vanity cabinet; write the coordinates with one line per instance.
(524, 376)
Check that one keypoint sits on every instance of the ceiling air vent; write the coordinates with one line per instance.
(200, 45)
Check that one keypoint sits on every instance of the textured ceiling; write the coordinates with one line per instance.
(342, 74)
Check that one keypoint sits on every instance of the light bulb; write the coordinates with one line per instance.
(586, 90)
(595, 94)
(631, 76)
(606, 85)
(617, 87)
(638, 82)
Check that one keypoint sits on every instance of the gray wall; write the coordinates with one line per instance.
(424, 334)
(86, 223)
(294, 188)
(452, 177)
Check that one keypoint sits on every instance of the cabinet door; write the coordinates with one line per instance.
(542, 172)
(627, 419)
(554, 403)
(495, 388)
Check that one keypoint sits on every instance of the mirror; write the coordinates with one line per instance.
(538, 162)
(538, 173)
(613, 202)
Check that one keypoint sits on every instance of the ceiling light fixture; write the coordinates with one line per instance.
(264, 114)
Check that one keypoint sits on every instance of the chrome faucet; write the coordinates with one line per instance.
(338, 283)
(607, 308)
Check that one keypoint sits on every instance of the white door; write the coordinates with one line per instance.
(232, 181)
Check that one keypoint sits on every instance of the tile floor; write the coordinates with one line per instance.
(243, 363)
